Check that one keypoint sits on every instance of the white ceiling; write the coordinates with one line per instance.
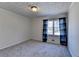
(45, 8)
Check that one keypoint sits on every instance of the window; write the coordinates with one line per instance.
(56, 27)
(53, 27)
(50, 27)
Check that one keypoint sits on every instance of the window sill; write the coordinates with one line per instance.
(54, 35)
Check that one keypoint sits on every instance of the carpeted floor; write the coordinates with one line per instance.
(34, 48)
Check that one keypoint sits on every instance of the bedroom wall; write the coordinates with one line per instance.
(73, 30)
(37, 27)
(14, 28)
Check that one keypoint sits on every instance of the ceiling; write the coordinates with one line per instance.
(45, 8)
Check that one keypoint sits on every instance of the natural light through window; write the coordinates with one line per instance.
(53, 27)
(56, 27)
(50, 27)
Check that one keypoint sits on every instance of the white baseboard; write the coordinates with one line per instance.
(12, 44)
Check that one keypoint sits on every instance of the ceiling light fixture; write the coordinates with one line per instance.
(34, 8)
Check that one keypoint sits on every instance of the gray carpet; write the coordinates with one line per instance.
(34, 48)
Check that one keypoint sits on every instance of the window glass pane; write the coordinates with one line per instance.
(56, 27)
(50, 23)
(56, 23)
(50, 27)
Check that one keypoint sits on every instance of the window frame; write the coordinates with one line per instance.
(53, 28)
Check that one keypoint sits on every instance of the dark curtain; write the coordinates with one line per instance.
(45, 30)
(63, 31)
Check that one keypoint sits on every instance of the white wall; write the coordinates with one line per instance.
(14, 28)
(73, 30)
(37, 27)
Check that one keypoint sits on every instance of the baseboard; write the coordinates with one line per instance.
(69, 52)
(7, 46)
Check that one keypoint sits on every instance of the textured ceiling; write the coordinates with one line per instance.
(45, 8)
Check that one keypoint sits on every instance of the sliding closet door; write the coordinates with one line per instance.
(45, 30)
(63, 31)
